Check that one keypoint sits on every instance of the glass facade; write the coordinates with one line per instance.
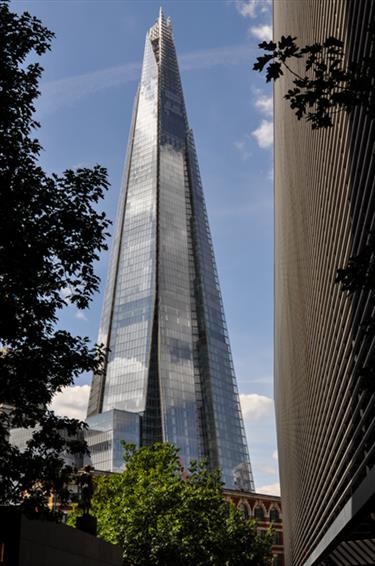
(20, 437)
(105, 436)
(169, 355)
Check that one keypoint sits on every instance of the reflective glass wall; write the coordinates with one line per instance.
(163, 319)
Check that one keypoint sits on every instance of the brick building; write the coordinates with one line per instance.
(265, 509)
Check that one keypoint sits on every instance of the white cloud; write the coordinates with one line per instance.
(264, 134)
(270, 489)
(268, 470)
(242, 149)
(128, 364)
(80, 315)
(264, 104)
(212, 57)
(262, 32)
(71, 402)
(256, 406)
(66, 293)
(250, 8)
(67, 91)
(275, 455)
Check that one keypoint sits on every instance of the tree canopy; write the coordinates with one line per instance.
(329, 82)
(161, 514)
(51, 233)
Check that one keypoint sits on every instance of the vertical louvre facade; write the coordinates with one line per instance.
(324, 211)
(163, 320)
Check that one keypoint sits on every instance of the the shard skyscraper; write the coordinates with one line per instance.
(169, 374)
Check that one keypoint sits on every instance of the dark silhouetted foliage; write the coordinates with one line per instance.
(359, 276)
(50, 236)
(327, 85)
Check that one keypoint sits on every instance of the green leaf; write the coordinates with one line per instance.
(161, 516)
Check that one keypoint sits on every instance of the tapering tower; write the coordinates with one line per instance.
(169, 371)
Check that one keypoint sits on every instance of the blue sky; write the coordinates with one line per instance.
(88, 89)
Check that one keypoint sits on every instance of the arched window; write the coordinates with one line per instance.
(259, 513)
(274, 515)
(244, 510)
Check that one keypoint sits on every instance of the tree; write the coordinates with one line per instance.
(163, 515)
(329, 83)
(50, 235)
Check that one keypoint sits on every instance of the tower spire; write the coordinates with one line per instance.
(169, 372)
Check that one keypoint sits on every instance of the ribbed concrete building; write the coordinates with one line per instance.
(324, 209)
